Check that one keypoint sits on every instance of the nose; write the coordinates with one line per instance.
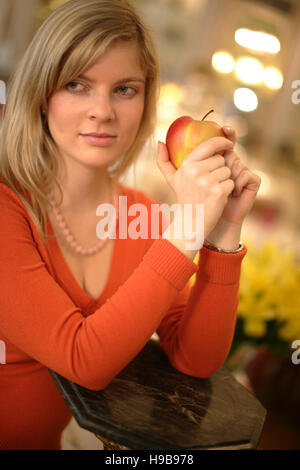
(102, 108)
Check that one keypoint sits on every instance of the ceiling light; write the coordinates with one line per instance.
(223, 62)
(273, 78)
(249, 70)
(245, 99)
(257, 40)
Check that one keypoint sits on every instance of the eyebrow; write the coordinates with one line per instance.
(122, 80)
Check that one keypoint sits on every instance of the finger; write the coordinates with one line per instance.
(163, 161)
(209, 148)
(230, 133)
(212, 163)
(230, 158)
(228, 186)
(221, 174)
(237, 167)
(247, 180)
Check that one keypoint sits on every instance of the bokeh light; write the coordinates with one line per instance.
(223, 62)
(245, 99)
(249, 70)
(257, 40)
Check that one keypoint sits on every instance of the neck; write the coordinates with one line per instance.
(84, 192)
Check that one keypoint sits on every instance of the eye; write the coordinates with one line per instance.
(70, 86)
(127, 90)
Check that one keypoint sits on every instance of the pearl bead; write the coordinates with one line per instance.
(65, 231)
(69, 237)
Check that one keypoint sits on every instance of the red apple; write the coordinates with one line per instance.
(185, 134)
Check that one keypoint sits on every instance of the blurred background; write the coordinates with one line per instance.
(240, 58)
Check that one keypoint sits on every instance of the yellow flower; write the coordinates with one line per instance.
(269, 290)
(255, 328)
(269, 286)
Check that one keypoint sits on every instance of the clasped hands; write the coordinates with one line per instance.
(246, 187)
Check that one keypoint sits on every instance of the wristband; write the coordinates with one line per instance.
(213, 247)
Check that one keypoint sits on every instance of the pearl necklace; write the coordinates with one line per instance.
(69, 238)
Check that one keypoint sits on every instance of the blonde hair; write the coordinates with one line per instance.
(69, 41)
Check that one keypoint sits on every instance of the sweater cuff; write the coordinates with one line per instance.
(170, 262)
(220, 268)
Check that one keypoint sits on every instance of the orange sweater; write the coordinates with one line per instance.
(48, 321)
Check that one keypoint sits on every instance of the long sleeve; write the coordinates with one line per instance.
(39, 318)
(197, 332)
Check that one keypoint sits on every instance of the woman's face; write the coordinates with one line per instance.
(107, 99)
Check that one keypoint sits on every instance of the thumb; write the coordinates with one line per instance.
(163, 161)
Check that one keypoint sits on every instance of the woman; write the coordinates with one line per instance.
(81, 306)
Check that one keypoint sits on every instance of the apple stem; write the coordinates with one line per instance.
(211, 111)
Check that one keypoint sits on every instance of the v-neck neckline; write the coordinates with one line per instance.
(68, 276)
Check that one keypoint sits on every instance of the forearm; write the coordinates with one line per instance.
(118, 330)
(226, 236)
(176, 234)
(202, 335)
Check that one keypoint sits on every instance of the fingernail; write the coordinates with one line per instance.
(228, 128)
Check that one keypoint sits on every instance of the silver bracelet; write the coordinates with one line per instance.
(213, 247)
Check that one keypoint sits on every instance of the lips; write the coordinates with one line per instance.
(94, 134)
(99, 140)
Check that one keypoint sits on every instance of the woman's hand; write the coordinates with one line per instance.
(227, 232)
(203, 178)
(246, 185)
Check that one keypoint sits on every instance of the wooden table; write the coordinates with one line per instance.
(150, 405)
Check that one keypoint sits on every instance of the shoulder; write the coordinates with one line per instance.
(14, 213)
(9, 198)
(7, 195)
